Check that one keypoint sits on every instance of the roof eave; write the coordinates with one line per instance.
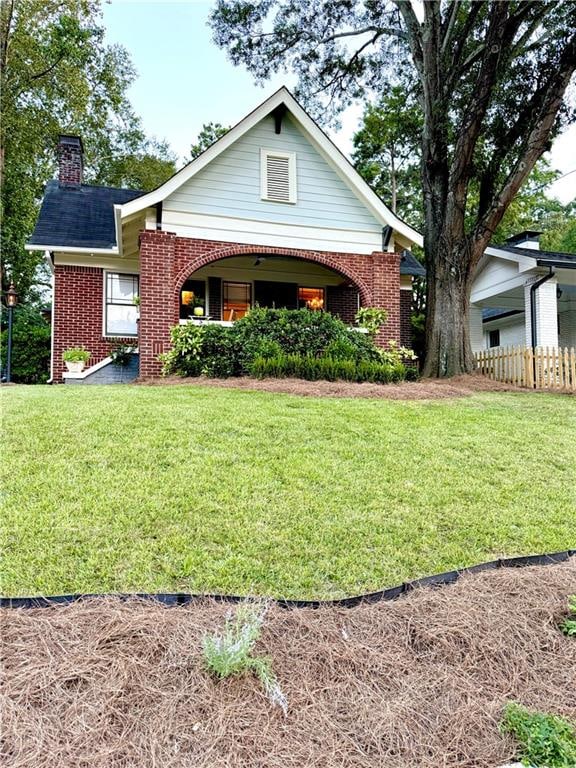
(113, 251)
(559, 264)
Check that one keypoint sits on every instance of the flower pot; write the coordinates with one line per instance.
(75, 366)
(198, 311)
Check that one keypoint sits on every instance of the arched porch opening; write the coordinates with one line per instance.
(223, 289)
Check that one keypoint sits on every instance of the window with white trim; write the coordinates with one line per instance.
(278, 176)
(120, 311)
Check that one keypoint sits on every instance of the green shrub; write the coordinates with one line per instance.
(353, 346)
(296, 331)
(546, 741)
(230, 652)
(372, 319)
(31, 334)
(183, 358)
(196, 350)
(121, 354)
(326, 368)
(76, 355)
(292, 341)
(218, 351)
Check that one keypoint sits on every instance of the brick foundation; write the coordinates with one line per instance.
(78, 308)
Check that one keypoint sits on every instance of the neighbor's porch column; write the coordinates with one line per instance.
(546, 313)
(156, 298)
(476, 329)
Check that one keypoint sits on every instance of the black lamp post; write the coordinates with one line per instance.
(11, 301)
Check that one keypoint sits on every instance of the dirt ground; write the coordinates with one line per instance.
(425, 389)
(415, 683)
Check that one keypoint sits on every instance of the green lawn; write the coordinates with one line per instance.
(197, 489)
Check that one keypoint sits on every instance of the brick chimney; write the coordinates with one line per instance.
(70, 165)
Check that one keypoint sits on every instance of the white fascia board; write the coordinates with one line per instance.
(327, 148)
(118, 227)
(525, 262)
(71, 249)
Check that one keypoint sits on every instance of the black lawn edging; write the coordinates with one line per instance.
(392, 593)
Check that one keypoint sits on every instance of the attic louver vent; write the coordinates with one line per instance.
(278, 177)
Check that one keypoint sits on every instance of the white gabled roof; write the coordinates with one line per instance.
(323, 144)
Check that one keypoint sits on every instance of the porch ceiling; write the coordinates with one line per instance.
(272, 268)
(514, 297)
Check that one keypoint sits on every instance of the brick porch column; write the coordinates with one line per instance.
(386, 294)
(156, 298)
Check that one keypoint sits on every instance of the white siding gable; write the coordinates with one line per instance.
(225, 200)
(497, 277)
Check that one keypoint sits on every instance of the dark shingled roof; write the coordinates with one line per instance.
(543, 258)
(409, 265)
(80, 217)
(491, 313)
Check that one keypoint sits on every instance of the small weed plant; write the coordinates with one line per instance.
(568, 626)
(546, 741)
(230, 652)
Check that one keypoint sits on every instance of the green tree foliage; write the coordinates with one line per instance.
(59, 75)
(491, 80)
(387, 152)
(126, 157)
(30, 346)
(209, 133)
(562, 237)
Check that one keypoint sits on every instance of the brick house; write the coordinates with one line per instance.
(271, 214)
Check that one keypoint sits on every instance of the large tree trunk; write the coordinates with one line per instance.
(448, 350)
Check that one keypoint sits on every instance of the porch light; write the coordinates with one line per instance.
(11, 296)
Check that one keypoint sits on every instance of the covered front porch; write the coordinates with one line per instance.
(535, 309)
(224, 290)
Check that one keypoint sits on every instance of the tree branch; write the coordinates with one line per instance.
(380, 30)
(535, 143)
(414, 31)
(449, 27)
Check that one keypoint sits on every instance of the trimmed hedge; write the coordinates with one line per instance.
(326, 368)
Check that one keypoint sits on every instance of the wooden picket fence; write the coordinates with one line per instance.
(540, 368)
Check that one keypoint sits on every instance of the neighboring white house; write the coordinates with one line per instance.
(522, 296)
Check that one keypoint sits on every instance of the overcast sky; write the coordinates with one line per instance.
(185, 80)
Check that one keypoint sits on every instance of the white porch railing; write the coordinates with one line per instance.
(540, 368)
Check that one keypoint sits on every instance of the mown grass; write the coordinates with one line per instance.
(197, 489)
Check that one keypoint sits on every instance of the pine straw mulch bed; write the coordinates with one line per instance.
(415, 683)
(425, 389)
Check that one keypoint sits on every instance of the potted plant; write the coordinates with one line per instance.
(121, 354)
(76, 358)
(196, 304)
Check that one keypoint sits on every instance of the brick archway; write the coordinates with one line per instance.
(327, 260)
(167, 260)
